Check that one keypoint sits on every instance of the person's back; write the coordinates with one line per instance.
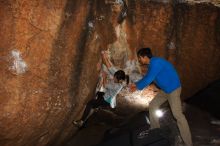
(111, 91)
(167, 78)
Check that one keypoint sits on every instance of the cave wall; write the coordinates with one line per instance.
(50, 52)
(185, 34)
(197, 45)
(39, 86)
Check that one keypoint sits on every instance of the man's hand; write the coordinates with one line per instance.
(132, 87)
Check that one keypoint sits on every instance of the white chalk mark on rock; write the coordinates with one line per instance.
(19, 66)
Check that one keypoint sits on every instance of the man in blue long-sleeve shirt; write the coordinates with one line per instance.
(164, 75)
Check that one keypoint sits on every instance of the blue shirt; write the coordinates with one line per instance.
(162, 73)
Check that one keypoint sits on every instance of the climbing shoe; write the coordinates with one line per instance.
(78, 123)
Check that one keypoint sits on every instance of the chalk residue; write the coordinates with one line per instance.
(90, 24)
(143, 97)
(18, 66)
(120, 2)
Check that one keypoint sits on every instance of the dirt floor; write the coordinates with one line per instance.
(204, 133)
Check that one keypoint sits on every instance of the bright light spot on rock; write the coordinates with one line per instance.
(159, 113)
(140, 97)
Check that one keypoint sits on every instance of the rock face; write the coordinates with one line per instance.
(50, 51)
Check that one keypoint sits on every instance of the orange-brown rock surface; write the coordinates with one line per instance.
(50, 50)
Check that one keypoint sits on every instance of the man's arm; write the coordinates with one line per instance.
(154, 68)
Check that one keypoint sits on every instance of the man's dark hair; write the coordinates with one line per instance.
(120, 75)
(144, 52)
